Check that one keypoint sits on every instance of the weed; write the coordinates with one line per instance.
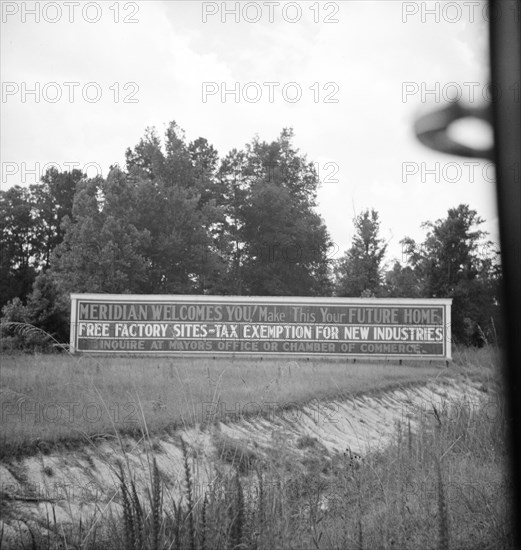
(442, 466)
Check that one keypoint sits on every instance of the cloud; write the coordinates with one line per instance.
(362, 62)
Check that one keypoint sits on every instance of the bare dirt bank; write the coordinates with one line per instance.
(83, 484)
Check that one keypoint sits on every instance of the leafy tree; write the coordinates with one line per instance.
(360, 269)
(285, 246)
(402, 282)
(30, 228)
(146, 159)
(178, 206)
(232, 187)
(19, 243)
(449, 264)
(54, 197)
(48, 307)
(101, 248)
(214, 229)
(12, 335)
(277, 242)
(15, 311)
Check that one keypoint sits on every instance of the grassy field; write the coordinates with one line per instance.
(49, 399)
(444, 486)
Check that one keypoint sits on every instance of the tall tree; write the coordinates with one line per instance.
(146, 159)
(48, 306)
(101, 250)
(54, 197)
(30, 228)
(449, 265)
(20, 253)
(231, 191)
(359, 271)
(280, 243)
(402, 282)
(178, 206)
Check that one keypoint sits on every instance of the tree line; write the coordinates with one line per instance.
(177, 219)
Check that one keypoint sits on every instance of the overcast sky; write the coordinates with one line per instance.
(167, 53)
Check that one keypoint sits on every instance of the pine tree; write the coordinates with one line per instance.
(359, 271)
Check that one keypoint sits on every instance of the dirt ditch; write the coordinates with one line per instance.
(69, 486)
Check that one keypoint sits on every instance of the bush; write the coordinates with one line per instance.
(34, 327)
(16, 336)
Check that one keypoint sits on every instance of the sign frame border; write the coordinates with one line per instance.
(446, 303)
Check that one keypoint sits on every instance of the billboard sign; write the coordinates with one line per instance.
(190, 324)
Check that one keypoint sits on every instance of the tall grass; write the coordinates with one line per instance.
(47, 399)
(441, 485)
